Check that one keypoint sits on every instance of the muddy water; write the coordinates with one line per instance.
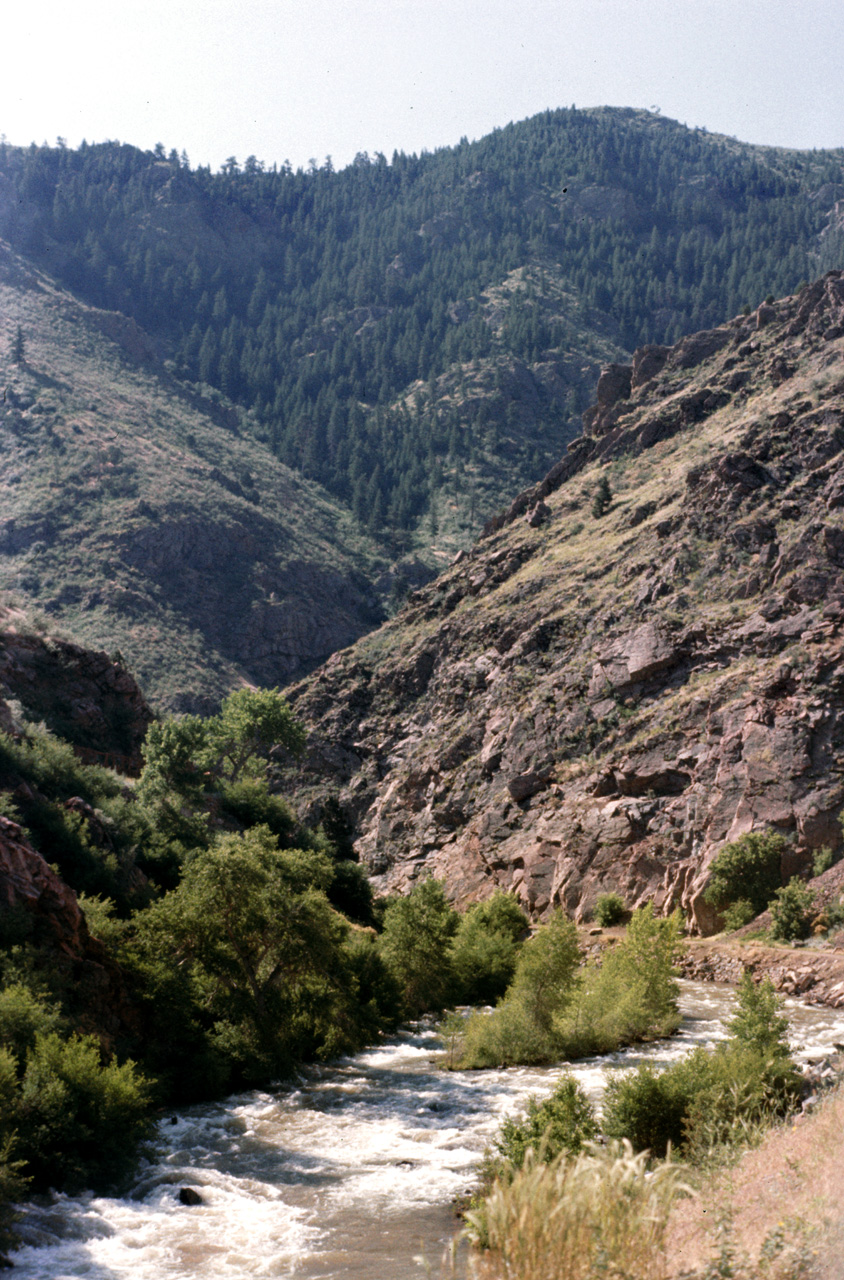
(351, 1173)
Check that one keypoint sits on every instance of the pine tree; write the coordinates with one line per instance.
(603, 498)
(19, 347)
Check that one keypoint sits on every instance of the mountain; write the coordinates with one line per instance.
(599, 693)
(421, 336)
(141, 518)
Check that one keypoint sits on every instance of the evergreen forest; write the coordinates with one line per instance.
(421, 334)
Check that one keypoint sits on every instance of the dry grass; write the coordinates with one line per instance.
(788, 1191)
(603, 1213)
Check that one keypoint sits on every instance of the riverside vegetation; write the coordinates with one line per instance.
(552, 1202)
(240, 942)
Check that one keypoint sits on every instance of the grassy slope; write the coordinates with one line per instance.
(792, 1183)
(142, 520)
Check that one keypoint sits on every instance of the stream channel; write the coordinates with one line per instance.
(349, 1173)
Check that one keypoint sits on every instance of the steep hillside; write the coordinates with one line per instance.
(590, 701)
(139, 517)
(421, 336)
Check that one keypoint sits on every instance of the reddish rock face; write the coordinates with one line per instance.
(600, 703)
(48, 910)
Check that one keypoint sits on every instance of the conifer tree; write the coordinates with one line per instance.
(603, 498)
(19, 347)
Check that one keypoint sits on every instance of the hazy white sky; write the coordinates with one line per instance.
(294, 79)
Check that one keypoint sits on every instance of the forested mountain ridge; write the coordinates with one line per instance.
(640, 660)
(138, 517)
(420, 335)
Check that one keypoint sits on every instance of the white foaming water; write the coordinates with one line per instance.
(350, 1174)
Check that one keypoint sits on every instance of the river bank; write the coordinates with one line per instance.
(351, 1172)
(785, 1194)
(815, 974)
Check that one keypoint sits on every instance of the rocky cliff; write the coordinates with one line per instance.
(83, 696)
(587, 701)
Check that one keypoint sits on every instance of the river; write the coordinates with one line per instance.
(350, 1173)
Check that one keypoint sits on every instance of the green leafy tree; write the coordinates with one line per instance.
(486, 947)
(546, 970)
(251, 723)
(758, 1021)
(649, 951)
(18, 347)
(747, 870)
(264, 947)
(792, 911)
(602, 499)
(415, 944)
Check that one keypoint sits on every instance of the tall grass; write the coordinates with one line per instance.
(603, 1213)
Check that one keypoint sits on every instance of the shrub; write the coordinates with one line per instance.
(602, 1213)
(79, 1122)
(24, 1016)
(823, 860)
(646, 1107)
(710, 1098)
(562, 1122)
(610, 909)
(792, 911)
(738, 914)
(13, 1187)
(747, 870)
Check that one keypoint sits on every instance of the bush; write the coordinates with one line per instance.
(710, 1098)
(79, 1123)
(610, 909)
(792, 911)
(824, 858)
(738, 914)
(646, 1107)
(13, 1187)
(562, 1122)
(747, 870)
(23, 1017)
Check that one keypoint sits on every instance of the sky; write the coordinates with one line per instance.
(303, 79)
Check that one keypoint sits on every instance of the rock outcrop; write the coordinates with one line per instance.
(38, 907)
(85, 697)
(585, 704)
